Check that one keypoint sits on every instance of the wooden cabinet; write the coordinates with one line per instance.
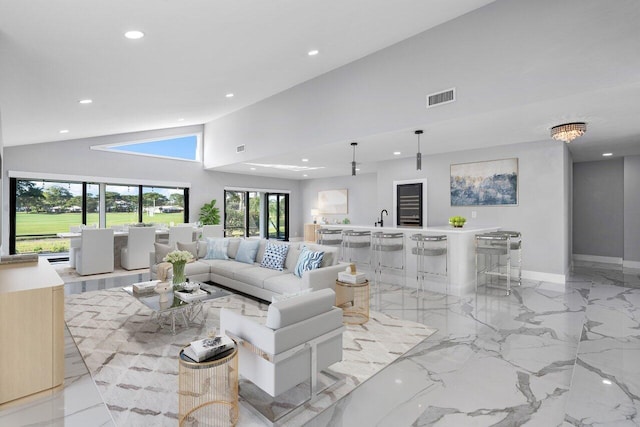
(31, 330)
(310, 232)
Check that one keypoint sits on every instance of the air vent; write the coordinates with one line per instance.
(441, 98)
(240, 148)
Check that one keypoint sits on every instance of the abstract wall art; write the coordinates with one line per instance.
(489, 183)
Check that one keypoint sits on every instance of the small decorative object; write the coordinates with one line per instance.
(163, 289)
(352, 268)
(457, 221)
(346, 221)
(178, 259)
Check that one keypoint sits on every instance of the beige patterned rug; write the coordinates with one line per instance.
(135, 366)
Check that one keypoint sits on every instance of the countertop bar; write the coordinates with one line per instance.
(461, 259)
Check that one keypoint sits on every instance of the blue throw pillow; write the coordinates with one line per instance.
(217, 248)
(274, 256)
(247, 251)
(308, 260)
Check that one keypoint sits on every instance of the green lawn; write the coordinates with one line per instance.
(46, 224)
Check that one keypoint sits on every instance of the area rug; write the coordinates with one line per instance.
(135, 365)
(70, 275)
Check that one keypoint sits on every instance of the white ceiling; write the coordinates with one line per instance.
(54, 53)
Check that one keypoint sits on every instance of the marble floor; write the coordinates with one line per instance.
(538, 357)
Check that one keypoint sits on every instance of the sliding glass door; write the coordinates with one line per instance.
(277, 216)
(253, 213)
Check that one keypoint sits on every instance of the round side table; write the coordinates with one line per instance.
(353, 299)
(208, 391)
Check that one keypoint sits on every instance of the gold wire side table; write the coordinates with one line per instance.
(353, 299)
(208, 391)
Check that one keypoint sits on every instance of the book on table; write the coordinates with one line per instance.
(347, 277)
(207, 348)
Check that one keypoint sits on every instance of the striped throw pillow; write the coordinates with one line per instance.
(308, 260)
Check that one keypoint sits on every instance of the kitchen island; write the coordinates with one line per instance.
(461, 259)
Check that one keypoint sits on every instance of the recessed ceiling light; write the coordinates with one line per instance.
(181, 119)
(607, 382)
(85, 101)
(357, 169)
(229, 95)
(134, 34)
(313, 52)
(305, 175)
(396, 153)
(64, 131)
(607, 154)
(252, 169)
(305, 160)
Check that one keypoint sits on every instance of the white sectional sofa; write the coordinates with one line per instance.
(253, 279)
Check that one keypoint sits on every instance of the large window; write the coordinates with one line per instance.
(255, 213)
(183, 147)
(43, 208)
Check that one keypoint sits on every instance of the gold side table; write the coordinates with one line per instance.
(353, 299)
(208, 391)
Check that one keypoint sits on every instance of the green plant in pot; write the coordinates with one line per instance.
(210, 214)
(457, 221)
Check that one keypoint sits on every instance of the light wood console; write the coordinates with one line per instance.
(31, 329)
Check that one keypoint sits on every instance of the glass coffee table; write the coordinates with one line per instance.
(167, 310)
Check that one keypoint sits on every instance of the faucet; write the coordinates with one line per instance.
(381, 222)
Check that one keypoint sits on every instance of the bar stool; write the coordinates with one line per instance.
(356, 247)
(388, 254)
(516, 253)
(493, 259)
(329, 237)
(429, 247)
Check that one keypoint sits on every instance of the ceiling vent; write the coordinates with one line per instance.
(240, 148)
(440, 98)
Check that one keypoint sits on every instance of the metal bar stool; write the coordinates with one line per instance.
(356, 247)
(330, 237)
(494, 250)
(429, 247)
(516, 253)
(388, 254)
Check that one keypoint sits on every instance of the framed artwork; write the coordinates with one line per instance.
(490, 183)
(333, 201)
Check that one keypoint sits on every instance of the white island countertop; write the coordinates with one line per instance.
(433, 229)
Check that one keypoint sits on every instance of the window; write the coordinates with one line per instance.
(246, 213)
(185, 147)
(40, 209)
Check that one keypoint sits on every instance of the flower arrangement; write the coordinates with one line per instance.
(178, 259)
(178, 256)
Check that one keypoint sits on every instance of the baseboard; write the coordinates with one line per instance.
(555, 282)
(630, 264)
(596, 258)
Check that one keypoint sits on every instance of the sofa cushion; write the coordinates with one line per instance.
(202, 248)
(261, 249)
(330, 253)
(225, 268)
(292, 258)
(217, 248)
(294, 310)
(274, 256)
(255, 275)
(307, 260)
(192, 248)
(247, 251)
(161, 251)
(234, 244)
(283, 284)
(196, 267)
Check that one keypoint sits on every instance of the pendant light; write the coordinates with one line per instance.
(419, 154)
(353, 162)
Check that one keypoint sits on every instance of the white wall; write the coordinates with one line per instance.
(362, 197)
(599, 202)
(632, 211)
(74, 157)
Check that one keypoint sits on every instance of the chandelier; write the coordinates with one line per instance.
(568, 131)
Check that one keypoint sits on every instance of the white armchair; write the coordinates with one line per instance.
(301, 337)
(95, 254)
(139, 245)
(181, 233)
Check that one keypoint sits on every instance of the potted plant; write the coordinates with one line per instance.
(457, 221)
(210, 214)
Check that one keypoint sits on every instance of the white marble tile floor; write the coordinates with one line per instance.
(534, 358)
